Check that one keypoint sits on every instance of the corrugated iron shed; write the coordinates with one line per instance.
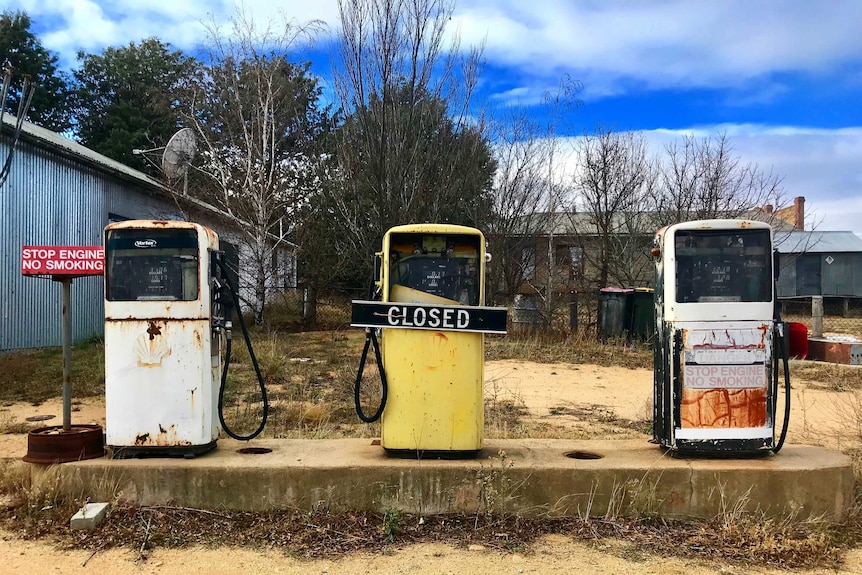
(61, 193)
(817, 242)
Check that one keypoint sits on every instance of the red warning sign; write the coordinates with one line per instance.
(63, 260)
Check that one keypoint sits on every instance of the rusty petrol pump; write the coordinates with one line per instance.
(430, 278)
(719, 339)
(167, 339)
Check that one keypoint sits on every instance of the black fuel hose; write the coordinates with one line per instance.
(233, 293)
(370, 339)
(785, 357)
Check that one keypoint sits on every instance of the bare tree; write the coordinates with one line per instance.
(702, 178)
(520, 200)
(407, 151)
(256, 114)
(611, 187)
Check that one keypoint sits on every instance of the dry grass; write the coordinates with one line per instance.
(310, 380)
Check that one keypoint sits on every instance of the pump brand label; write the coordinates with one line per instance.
(432, 317)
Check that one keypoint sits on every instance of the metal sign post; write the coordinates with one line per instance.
(62, 264)
(67, 353)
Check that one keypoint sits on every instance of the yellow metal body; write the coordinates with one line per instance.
(435, 378)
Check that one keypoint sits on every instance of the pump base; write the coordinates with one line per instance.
(720, 448)
(432, 453)
(131, 451)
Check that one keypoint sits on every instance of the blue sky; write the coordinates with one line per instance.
(782, 78)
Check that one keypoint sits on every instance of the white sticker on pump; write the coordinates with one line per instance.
(725, 356)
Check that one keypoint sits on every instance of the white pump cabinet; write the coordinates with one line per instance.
(163, 345)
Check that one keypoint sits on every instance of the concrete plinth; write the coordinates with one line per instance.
(526, 477)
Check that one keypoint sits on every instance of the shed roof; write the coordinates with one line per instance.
(817, 241)
(62, 144)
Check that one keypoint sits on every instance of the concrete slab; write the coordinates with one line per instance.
(530, 477)
(90, 516)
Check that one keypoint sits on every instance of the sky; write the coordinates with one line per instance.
(781, 78)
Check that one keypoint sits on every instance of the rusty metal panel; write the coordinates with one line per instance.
(725, 375)
(159, 389)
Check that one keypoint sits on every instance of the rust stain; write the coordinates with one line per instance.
(729, 342)
(154, 330)
(723, 408)
(151, 351)
(198, 342)
(142, 439)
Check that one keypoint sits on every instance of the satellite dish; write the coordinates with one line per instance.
(179, 153)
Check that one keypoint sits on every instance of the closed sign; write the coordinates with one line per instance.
(432, 317)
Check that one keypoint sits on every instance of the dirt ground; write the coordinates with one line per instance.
(572, 401)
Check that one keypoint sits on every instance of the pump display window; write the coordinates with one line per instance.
(441, 266)
(151, 265)
(723, 266)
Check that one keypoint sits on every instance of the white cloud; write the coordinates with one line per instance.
(92, 25)
(664, 43)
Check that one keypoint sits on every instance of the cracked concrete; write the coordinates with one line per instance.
(529, 477)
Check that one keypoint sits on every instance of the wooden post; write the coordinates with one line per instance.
(817, 316)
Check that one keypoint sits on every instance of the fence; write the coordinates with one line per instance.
(825, 315)
(290, 311)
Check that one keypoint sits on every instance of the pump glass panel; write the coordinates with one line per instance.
(723, 266)
(442, 265)
(157, 265)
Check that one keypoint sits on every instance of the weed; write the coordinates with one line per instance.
(391, 523)
(10, 424)
(495, 487)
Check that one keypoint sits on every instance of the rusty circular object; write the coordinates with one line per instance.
(45, 417)
(55, 445)
(583, 455)
(254, 450)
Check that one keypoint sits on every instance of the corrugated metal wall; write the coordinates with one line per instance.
(836, 274)
(50, 199)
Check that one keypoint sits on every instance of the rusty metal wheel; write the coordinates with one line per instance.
(54, 445)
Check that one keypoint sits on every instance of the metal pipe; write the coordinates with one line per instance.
(67, 354)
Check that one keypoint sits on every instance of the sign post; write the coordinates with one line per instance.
(63, 264)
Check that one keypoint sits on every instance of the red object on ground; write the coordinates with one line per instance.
(798, 340)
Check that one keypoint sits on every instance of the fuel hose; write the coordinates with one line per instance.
(785, 358)
(370, 340)
(233, 293)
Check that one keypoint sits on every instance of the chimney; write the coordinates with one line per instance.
(799, 209)
(767, 209)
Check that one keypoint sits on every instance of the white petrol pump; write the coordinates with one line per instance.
(167, 342)
(719, 339)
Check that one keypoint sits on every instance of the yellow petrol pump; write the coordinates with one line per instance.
(433, 322)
